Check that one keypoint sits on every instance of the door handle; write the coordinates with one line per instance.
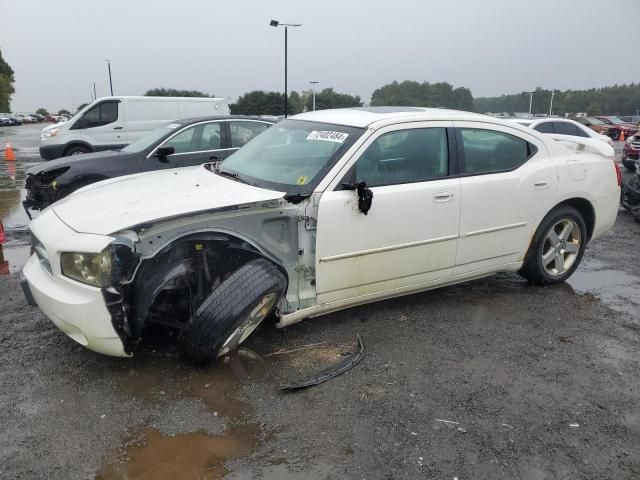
(443, 196)
(541, 183)
(117, 128)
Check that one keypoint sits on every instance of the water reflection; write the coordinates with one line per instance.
(13, 258)
(4, 264)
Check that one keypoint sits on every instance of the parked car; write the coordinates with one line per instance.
(631, 152)
(562, 126)
(595, 124)
(26, 118)
(13, 121)
(632, 119)
(618, 127)
(323, 211)
(49, 118)
(113, 122)
(39, 118)
(178, 144)
(5, 121)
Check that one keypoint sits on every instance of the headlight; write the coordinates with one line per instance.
(50, 133)
(90, 268)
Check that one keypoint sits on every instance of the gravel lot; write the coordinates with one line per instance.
(488, 379)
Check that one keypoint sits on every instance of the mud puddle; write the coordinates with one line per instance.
(157, 454)
(196, 455)
(618, 289)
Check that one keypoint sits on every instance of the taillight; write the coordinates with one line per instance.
(618, 173)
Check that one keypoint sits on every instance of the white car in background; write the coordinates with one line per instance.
(323, 211)
(562, 126)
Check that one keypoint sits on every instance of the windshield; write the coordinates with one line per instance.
(292, 156)
(151, 138)
(595, 121)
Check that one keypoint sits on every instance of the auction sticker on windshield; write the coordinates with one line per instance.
(328, 136)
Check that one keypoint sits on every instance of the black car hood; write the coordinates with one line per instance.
(77, 159)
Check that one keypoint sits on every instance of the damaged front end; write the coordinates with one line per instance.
(43, 189)
(168, 288)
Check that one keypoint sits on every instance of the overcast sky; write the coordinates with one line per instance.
(57, 48)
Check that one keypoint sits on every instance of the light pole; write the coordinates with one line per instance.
(530, 101)
(313, 89)
(276, 23)
(551, 106)
(110, 82)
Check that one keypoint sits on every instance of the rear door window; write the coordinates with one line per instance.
(566, 128)
(489, 151)
(544, 127)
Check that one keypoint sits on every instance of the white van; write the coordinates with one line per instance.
(111, 123)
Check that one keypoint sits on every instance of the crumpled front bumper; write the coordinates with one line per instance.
(78, 311)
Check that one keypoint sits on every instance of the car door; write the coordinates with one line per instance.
(507, 184)
(193, 145)
(240, 132)
(102, 126)
(408, 238)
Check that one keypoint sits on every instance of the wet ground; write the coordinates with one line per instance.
(24, 140)
(488, 379)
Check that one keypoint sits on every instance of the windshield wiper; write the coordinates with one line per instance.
(234, 176)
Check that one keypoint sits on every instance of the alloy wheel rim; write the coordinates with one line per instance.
(251, 322)
(561, 247)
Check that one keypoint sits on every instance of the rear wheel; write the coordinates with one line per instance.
(557, 247)
(233, 311)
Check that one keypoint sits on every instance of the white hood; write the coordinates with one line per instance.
(116, 204)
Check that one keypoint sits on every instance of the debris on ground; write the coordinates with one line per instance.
(323, 376)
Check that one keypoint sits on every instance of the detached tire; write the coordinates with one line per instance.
(233, 311)
(557, 247)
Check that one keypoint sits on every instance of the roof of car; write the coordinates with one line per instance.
(188, 121)
(365, 116)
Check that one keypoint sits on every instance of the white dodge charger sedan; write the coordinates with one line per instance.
(321, 212)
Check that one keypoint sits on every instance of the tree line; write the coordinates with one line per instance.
(615, 100)
(6, 85)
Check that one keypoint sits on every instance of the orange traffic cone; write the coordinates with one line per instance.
(9, 156)
(621, 137)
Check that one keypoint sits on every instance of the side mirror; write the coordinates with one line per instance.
(365, 195)
(165, 151)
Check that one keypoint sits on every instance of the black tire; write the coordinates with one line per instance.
(225, 310)
(533, 269)
(629, 165)
(76, 150)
